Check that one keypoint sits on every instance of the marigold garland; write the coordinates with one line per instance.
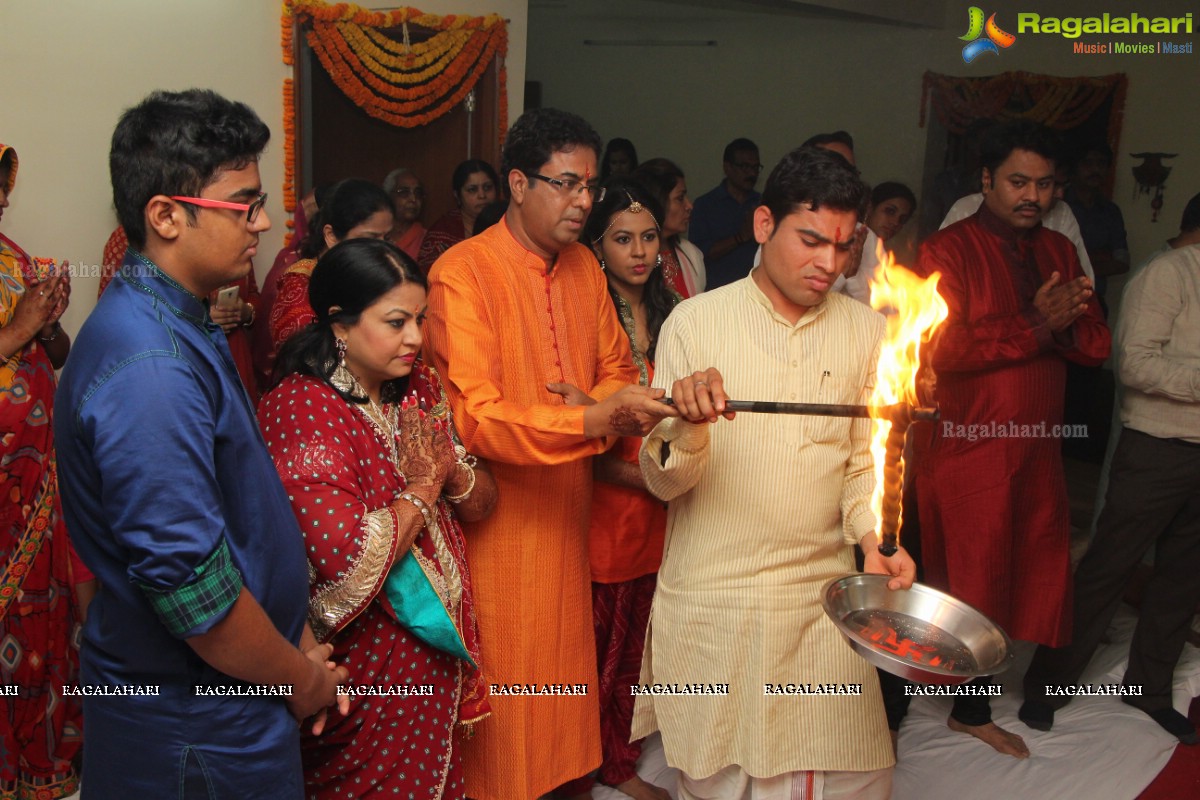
(392, 70)
(350, 75)
(406, 85)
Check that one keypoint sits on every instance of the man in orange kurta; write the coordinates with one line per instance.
(518, 307)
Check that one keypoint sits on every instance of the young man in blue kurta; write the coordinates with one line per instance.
(169, 492)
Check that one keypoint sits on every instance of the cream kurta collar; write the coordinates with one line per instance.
(751, 290)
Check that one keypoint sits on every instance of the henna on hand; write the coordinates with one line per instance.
(625, 422)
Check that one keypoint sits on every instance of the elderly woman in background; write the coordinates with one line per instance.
(39, 728)
(361, 434)
(354, 209)
(682, 261)
(620, 158)
(409, 198)
(475, 186)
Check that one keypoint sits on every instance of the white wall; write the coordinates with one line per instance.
(70, 67)
(778, 78)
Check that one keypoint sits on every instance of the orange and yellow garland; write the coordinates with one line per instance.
(403, 84)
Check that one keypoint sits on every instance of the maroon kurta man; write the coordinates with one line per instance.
(989, 476)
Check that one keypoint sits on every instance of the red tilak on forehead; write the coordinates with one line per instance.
(837, 235)
(587, 174)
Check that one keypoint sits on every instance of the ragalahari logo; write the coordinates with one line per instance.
(976, 46)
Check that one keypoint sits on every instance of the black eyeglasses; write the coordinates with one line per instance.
(570, 186)
(406, 191)
(251, 209)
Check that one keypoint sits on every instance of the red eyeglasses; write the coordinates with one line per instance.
(251, 209)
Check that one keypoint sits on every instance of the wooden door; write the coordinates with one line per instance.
(337, 139)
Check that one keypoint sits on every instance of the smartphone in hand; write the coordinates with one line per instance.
(227, 297)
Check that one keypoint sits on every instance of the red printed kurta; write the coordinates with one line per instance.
(995, 525)
(500, 327)
(441, 236)
(342, 482)
(291, 310)
(39, 727)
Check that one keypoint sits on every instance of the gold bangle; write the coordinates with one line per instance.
(458, 498)
(422, 506)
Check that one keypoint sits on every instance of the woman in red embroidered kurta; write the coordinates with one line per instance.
(373, 482)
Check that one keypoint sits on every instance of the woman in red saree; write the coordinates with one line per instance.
(475, 186)
(355, 209)
(361, 434)
(39, 728)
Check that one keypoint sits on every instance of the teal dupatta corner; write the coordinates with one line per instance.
(420, 609)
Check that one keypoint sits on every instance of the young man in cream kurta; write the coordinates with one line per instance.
(765, 510)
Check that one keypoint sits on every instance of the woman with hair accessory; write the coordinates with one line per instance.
(683, 263)
(354, 209)
(475, 186)
(362, 436)
(408, 197)
(628, 523)
(39, 728)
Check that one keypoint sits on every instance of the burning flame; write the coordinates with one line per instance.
(914, 309)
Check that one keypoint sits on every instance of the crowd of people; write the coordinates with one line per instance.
(461, 511)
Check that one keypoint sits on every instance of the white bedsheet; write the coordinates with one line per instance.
(1100, 748)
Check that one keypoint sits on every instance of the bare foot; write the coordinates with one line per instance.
(1001, 740)
(638, 789)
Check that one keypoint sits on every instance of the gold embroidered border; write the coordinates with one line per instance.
(334, 605)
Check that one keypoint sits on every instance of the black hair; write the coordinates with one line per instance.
(617, 145)
(660, 176)
(621, 192)
(739, 145)
(321, 193)
(1000, 140)
(540, 133)
(176, 143)
(889, 190)
(815, 177)
(491, 214)
(352, 275)
(348, 203)
(837, 137)
(1191, 215)
(464, 171)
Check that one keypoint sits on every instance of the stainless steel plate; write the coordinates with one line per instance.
(919, 633)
